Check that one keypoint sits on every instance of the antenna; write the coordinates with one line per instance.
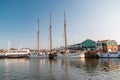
(20, 46)
(8, 46)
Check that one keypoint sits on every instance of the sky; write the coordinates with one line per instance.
(85, 19)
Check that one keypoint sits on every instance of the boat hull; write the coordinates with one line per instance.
(73, 55)
(16, 55)
(109, 55)
(37, 55)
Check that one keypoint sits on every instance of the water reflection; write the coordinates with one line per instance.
(60, 69)
(14, 68)
(109, 64)
(100, 69)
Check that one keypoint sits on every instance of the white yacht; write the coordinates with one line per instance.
(67, 54)
(17, 53)
(109, 55)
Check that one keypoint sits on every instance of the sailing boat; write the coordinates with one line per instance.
(38, 53)
(67, 54)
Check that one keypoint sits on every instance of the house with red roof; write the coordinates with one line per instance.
(107, 45)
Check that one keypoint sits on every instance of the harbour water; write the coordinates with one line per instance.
(60, 69)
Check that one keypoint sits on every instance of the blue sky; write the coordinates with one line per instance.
(93, 19)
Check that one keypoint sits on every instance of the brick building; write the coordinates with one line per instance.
(107, 45)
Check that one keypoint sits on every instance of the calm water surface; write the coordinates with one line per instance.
(60, 69)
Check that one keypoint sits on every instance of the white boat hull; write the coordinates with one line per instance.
(73, 55)
(15, 55)
(109, 55)
(37, 55)
(57, 56)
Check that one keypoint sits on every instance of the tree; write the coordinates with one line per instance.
(2, 51)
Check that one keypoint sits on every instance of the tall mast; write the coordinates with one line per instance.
(65, 35)
(38, 36)
(50, 33)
